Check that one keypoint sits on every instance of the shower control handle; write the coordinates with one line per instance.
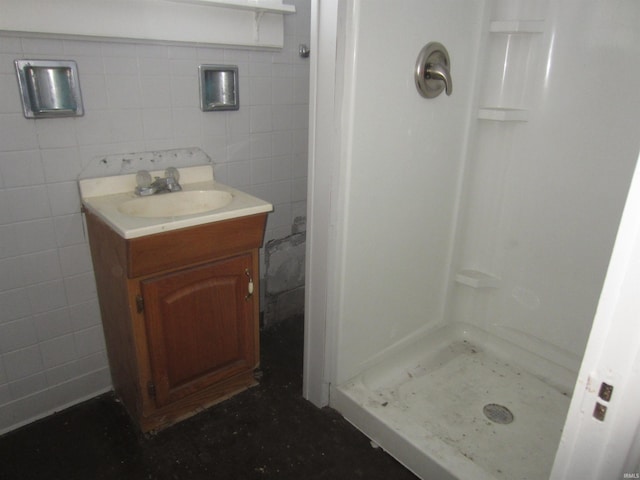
(432, 71)
(440, 72)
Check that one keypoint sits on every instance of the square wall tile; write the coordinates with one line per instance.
(80, 288)
(121, 67)
(75, 259)
(186, 122)
(10, 44)
(35, 236)
(42, 46)
(259, 91)
(14, 304)
(12, 275)
(58, 350)
(157, 123)
(282, 143)
(261, 145)
(52, 324)
(56, 132)
(40, 267)
(61, 164)
(118, 49)
(260, 171)
(82, 48)
(17, 335)
(63, 373)
(20, 169)
(123, 91)
(8, 241)
(5, 394)
(282, 169)
(28, 203)
(16, 133)
(22, 363)
(94, 92)
(28, 385)
(85, 315)
(260, 118)
(69, 229)
(64, 198)
(154, 87)
(47, 296)
(89, 341)
(299, 190)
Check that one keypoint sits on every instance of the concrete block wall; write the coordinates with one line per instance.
(284, 275)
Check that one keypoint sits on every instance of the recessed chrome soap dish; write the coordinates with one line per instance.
(49, 88)
(219, 89)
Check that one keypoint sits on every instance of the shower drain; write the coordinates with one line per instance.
(498, 413)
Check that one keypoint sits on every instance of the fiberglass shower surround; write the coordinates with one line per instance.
(507, 194)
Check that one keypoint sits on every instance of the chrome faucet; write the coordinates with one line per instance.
(169, 183)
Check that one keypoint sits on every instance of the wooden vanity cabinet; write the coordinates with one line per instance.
(180, 312)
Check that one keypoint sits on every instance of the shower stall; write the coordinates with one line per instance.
(459, 244)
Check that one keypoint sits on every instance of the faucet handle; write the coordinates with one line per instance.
(172, 172)
(143, 181)
(172, 176)
(143, 178)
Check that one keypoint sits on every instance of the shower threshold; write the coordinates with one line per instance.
(430, 406)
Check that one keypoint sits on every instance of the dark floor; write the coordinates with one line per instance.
(267, 432)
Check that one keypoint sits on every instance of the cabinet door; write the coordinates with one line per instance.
(200, 326)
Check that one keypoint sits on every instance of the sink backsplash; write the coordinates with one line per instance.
(120, 164)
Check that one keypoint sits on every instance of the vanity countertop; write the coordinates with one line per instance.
(104, 195)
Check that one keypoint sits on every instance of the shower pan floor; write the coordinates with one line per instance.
(431, 410)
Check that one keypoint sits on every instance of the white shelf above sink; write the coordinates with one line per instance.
(246, 23)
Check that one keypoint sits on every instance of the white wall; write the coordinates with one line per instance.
(401, 161)
(544, 197)
(137, 97)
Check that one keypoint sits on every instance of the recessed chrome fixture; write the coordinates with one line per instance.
(49, 88)
(219, 87)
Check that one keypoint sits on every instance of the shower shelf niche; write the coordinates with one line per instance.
(515, 79)
(477, 279)
(501, 114)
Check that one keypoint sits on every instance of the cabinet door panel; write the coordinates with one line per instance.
(199, 326)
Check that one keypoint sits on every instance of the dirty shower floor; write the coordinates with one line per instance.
(267, 432)
(431, 399)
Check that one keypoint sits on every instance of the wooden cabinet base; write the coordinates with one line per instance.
(195, 403)
(179, 313)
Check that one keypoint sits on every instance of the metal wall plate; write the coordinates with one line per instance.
(49, 88)
(432, 74)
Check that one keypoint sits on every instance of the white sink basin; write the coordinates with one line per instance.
(176, 204)
(202, 200)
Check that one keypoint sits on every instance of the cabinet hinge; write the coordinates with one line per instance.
(151, 388)
(139, 303)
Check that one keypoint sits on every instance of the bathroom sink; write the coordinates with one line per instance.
(201, 200)
(176, 204)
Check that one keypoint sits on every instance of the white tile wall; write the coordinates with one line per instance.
(137, 97)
